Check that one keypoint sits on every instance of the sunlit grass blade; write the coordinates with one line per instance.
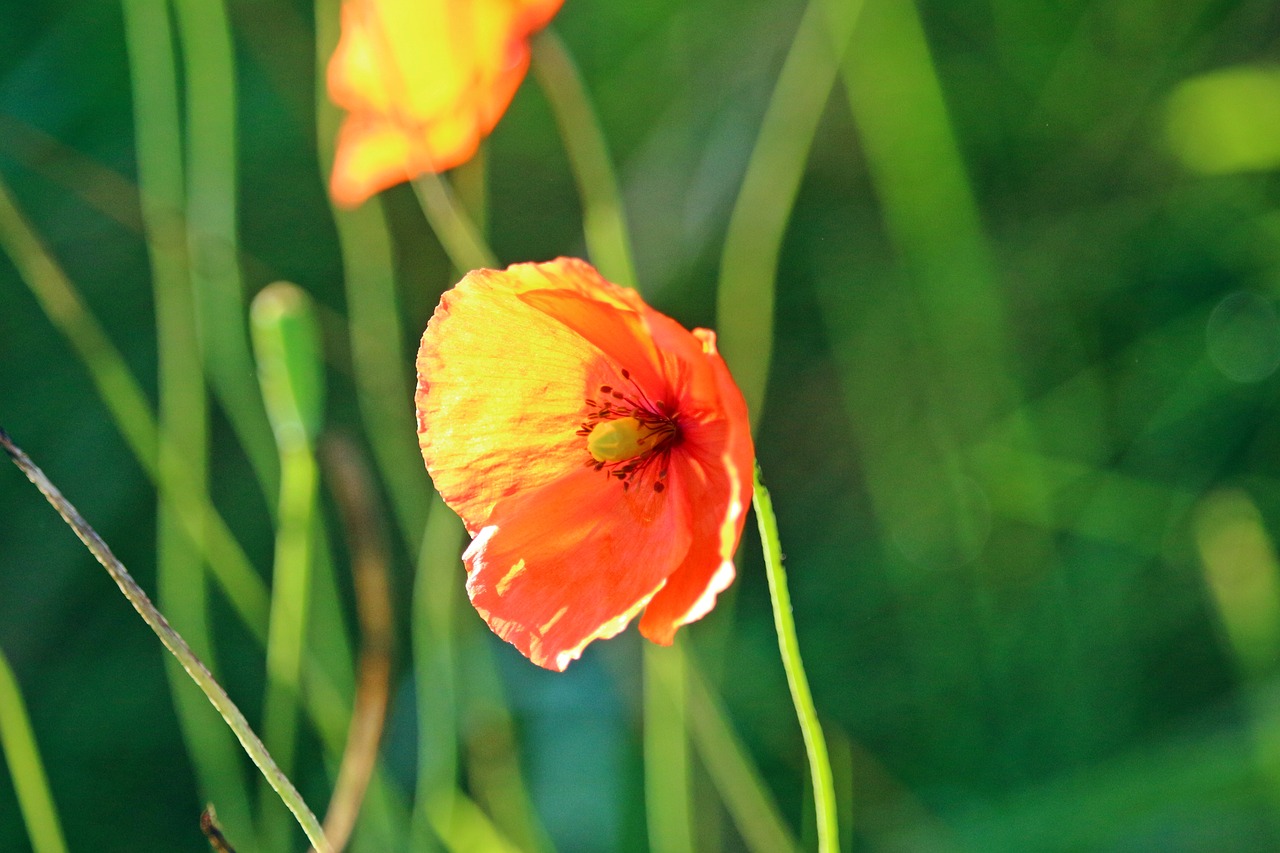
(1240, 568)
(465, 827)
(494, 777)
(286, 345)
(182, 420)
(815, 744)
(65, 308)
(212, 225)
(603, 212)
(966, 375)
(749, 265)
(667, 795)
(26, 770)
(737, 779)
(198, 672)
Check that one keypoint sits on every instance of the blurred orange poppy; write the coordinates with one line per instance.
(423, 81)
(598, 452)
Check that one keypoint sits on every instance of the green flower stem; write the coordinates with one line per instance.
(603, 214)
(175, 644)
(460, 237)
(25, 768)
(753, 242)
(286, 343)
(824, 796)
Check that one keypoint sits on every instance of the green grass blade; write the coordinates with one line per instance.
(749, 265)
(737, 779)
(435, 589)
(183, 407)
(61, 302)
(667, 778)
(603, 212)
(30, 782)
(212, 226)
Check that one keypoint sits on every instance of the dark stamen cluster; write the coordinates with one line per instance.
(657, 418)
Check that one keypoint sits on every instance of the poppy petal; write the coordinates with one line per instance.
(424, 81)
(374, 155)
(574, 561)
(518, 370)
(716, 468)
(620, 335)
(503, 388)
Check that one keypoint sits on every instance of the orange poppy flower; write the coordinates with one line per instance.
(598, 452)
(423, 82)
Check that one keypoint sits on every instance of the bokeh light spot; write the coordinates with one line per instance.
(1243, 337)
(1227, 121)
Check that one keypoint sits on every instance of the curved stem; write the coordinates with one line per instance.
(175, 644)
(824, 795)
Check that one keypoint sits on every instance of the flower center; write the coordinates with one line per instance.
(627, 432)
(617, 441)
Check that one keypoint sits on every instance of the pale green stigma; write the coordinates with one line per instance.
(618, 440)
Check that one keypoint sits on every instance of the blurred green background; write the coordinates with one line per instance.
(1020, 428)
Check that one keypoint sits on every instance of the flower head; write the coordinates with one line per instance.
(423, 82)
(598, 452)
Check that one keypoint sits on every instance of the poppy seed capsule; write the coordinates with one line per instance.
(617, 441)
